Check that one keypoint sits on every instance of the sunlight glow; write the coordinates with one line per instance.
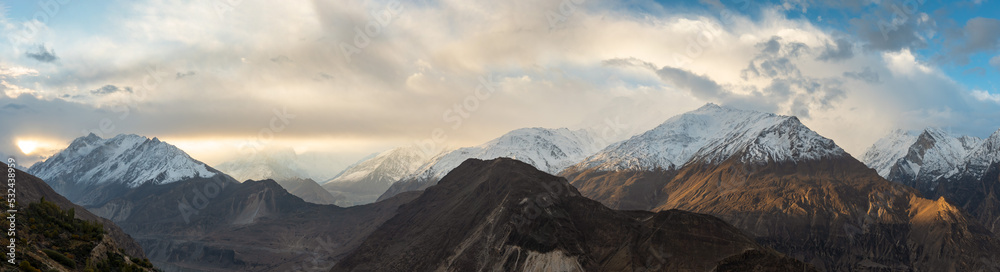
(27, 146)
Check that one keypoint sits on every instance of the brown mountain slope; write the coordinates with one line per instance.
(834, 213)
(505, 215)
(31, 189)
(980, 196)
(57, 235)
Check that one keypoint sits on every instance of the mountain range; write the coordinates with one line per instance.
(550, 150)
(789, 188)
(961, 169)
(714, 189)
(505, 215)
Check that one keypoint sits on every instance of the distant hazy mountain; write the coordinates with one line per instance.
(364, 181)
(789, 188)
(92, 170)
(282, 166)
(550, 150)
(505, 215)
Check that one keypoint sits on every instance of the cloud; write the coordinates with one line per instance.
(110, 89)
(16, 71)
(700, 86)
(995, 61)
(422, 65)
(986, 96)
(185, 74)
(631, 61)
(978, 35)
(42, 54)
(841, 50)
(886, 29)
(866, 75)
(979, 71)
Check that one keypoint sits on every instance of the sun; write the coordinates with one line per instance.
(27, 146)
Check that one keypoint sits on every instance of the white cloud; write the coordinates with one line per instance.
(985, 96)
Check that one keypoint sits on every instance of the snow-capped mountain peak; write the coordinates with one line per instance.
(919, 157)
(986, 153)
(713, 134)
(387, 167)
(549, 150)
(127, 159)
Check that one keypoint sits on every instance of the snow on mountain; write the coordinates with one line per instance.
(919, 156)
(277, 164)
(985, 153)
(549, 150)
(888, 150)
(127, 159)
(712, 134)
(386, 167)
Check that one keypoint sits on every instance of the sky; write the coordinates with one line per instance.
(341, 79)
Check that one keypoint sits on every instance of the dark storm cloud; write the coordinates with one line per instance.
(110, 89)
(42, 54)
(842, 49)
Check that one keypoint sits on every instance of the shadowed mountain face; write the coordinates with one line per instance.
(834, 213)
(56, 235)
(221, 225)
(978, 195)
(505, 215)
(311, 192)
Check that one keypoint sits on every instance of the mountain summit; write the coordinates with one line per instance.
(126, 161)
(712, 134)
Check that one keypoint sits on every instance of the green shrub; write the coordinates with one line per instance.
(26, 266)
(59, 257)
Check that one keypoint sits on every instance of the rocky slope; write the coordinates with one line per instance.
(505, 215)
(31, 190)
